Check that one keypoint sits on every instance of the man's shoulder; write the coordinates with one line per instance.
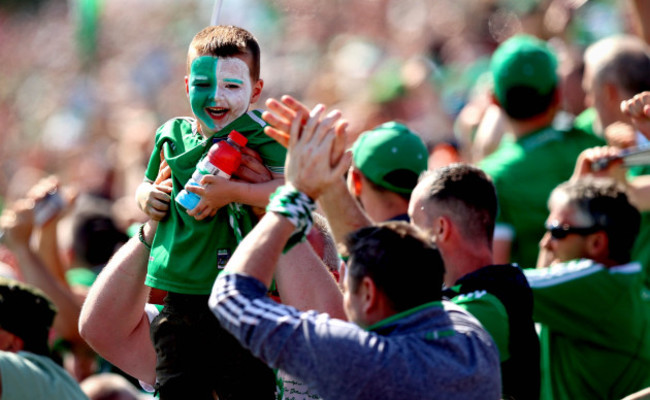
(461, 319)
(481, 303)
(28, 375)
(495, 279)
(495, 289)
(497, 162)
(481, 291)
(439, 316)
(569, 272)
(584, 138)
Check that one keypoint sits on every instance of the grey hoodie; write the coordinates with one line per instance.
(434, 351)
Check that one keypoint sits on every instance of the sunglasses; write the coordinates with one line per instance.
(558, 231)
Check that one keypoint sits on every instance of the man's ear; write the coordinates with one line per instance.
(368, 292)
(257, 91)
(598, 245)
(356, 182)
(187, 86)
(441, 229)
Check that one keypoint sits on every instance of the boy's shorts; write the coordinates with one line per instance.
(197, 358)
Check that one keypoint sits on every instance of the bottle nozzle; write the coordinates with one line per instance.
(238, 138)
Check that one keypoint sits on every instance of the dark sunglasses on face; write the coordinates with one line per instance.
(558, 231)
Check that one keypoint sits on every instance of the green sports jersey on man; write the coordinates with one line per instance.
(595, 336)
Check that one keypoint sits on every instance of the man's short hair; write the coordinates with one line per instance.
(467, 194)
(226, 41)
(26, 312)
(391, 156)
(525, 77)
(604, 203)
(400, 259)
(623, 60)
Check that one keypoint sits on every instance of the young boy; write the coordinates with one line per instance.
(195, 357)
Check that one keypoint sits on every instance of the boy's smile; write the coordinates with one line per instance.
(220, 91)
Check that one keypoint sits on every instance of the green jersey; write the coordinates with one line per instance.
(586, 120)
(524, 172)
(187, 254)
(641, 250)
(595, 336)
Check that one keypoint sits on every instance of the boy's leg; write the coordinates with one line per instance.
(179, 357)
(197, 357)
(239, 375)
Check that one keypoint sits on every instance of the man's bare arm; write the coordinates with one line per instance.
(113, 320)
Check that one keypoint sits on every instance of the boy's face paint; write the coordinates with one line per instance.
(219, 90)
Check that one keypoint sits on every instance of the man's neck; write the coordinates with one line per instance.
(464, 259)
(383, 206)
(521, 128)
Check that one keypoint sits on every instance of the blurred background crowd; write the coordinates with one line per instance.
(85, 83)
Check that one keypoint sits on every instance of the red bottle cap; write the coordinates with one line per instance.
(238, 138)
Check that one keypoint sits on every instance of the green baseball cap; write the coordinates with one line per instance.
(523, 61)
(391, 156)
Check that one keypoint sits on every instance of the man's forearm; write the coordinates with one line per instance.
(48, 250)
(304, 282)
(258, 254)
(342, 211)
(36, 273)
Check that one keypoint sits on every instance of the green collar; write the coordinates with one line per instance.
(403, 314)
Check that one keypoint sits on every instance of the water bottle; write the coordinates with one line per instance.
(222, 160)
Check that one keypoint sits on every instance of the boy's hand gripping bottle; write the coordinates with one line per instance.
(222, 159)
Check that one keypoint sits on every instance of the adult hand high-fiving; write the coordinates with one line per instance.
(315, 141)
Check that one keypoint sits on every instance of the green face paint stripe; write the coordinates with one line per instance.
(203, 90)
(238, 81)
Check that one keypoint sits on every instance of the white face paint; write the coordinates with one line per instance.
(220, 91)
